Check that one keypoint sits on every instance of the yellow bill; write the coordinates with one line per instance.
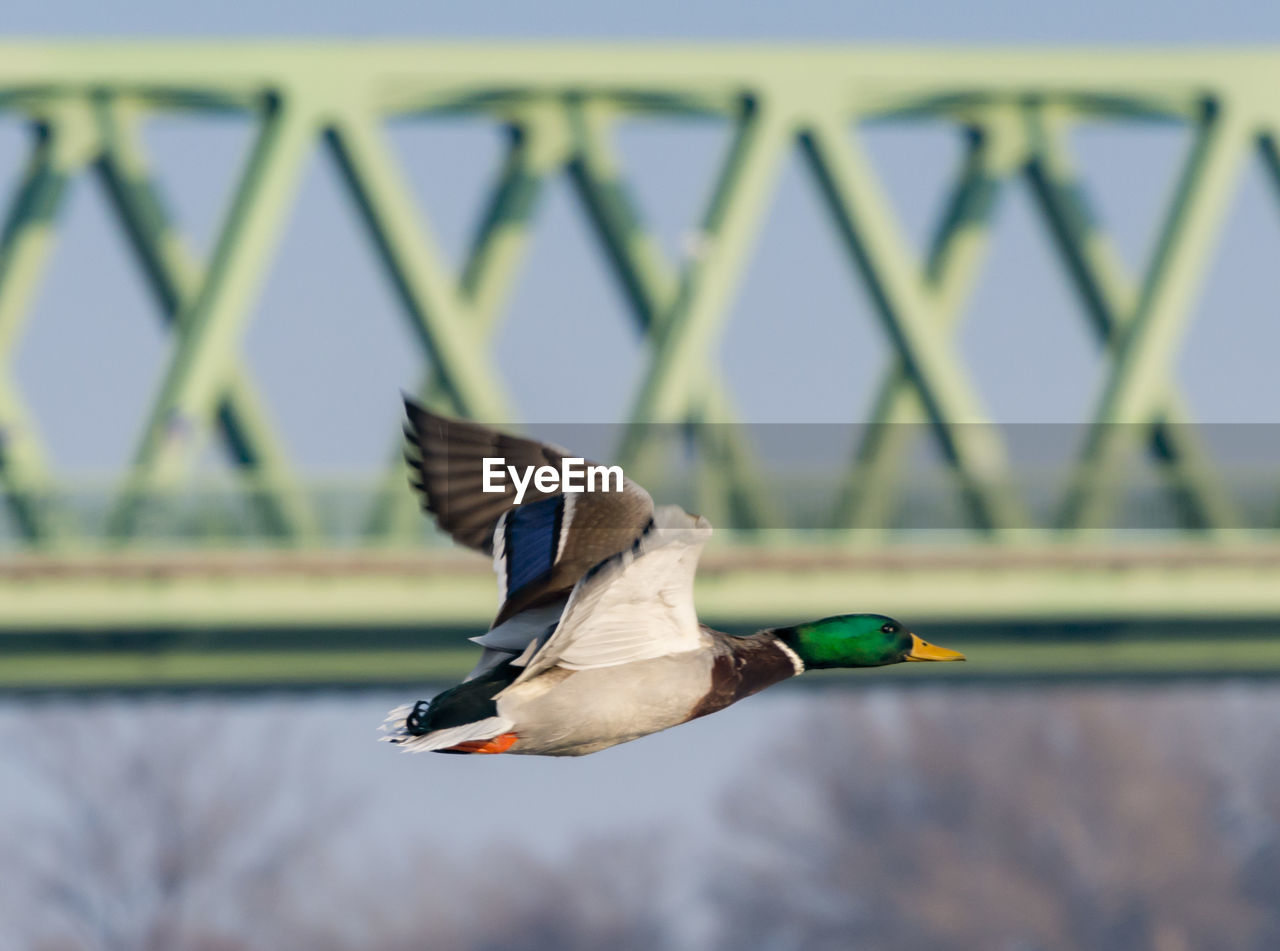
(923, 650)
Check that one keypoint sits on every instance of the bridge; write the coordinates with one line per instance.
(162, 579)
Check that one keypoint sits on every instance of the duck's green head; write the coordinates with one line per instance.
(859, 640)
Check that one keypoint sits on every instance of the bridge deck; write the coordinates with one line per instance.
(380, 617)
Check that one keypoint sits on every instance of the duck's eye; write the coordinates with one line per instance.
(889, 629)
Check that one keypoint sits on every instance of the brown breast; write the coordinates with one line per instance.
(743, 666)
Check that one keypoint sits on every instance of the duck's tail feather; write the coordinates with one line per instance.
(398, 732)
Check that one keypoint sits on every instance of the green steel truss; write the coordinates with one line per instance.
(560, 106)
(85, 104)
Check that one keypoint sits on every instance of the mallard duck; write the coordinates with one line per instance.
(596, 641)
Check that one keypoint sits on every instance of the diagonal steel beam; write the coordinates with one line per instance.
(1110, 297)
(650, 284)
(416, 268)
(536, 148)
(1269, 150)
(683, 338)
(64, 143)
(211, 324)
(175, 277)
(910, 315)
(955, 254)
(1143, 354)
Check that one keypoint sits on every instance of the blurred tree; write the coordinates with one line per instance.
(161, 829)
(610, 894)
(906, 820)
(176, 827)
(1078, 820)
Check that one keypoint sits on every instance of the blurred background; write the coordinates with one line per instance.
(960, 314)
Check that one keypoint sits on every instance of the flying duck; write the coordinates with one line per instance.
(596, 641)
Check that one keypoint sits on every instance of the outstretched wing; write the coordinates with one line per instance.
(636, 605)
(446, 461)
(540, 547)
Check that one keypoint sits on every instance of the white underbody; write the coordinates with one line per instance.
(572, 712)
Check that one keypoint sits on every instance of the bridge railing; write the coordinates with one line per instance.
(221, 514)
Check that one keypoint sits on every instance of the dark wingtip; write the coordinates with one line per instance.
(412, 407)
(420, 419)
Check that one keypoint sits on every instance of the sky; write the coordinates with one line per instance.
(1087, 21)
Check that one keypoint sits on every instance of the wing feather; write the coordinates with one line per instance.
(636, 605)
(446, 457)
